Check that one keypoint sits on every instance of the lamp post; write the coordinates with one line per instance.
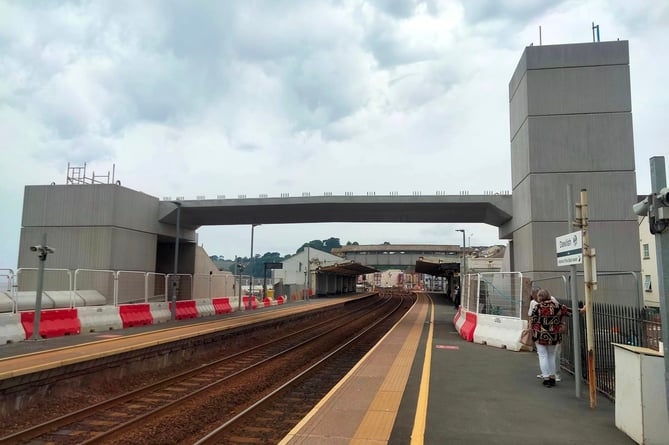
(240, 268)
(253, 226)
(463, 272)
(42, 251)
(176, 262)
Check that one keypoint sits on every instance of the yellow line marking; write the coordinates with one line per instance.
(299, 432)
(418, 432)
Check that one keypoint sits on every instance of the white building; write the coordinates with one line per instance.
(649, 275)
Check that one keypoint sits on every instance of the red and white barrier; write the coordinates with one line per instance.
(99, 318)
(222, 305)
(135, 315)
(499, 331)
(245, 303)
(53, 323)
(11, 329)
(204, 307)
(468, 326)
(160, 312)
(185, 309)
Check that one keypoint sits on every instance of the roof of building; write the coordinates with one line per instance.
(397, 248)
(436, 268)
(351, 268)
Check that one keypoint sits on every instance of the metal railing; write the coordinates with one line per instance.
(64, 288)
(628, 325)
(613, 323)
(493, 293)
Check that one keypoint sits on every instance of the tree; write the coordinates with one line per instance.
(331, 243)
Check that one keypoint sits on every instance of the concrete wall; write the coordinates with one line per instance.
(571, 123)
(209, 282)
(101, 226)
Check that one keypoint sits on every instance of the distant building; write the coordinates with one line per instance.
(649, 275)
(313, 272)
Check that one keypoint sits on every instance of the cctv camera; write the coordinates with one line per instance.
(641, 207)
(663, 196)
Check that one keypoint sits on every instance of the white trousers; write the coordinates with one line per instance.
(547, 359)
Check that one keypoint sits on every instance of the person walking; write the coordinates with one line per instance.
(546, 323)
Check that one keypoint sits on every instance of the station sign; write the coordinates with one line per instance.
(569, 249)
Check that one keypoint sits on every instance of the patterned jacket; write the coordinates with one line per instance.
(546, 321)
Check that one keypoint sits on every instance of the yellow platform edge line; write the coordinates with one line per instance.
(297, 429)
(420, 419)
(399, 375)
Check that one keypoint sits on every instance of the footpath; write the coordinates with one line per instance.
(484, 395)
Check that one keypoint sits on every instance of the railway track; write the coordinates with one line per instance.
(180, 408)
(271, 418)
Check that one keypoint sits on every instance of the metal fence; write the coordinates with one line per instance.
(64, 288)
(630, 324)
(97, 285)
(494, 293)
(612, 324)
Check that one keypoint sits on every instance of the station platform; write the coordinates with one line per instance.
(423, 384)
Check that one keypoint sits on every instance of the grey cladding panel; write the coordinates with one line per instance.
(520, 155)
(610, 195)
(578, 54)
(68, 205)
(599, 89)
(585, 142)
(523, 250)
(518, 107)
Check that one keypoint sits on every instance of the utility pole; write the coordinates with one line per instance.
(658, 182)
(590, 284)
(240, 268)
(576, 322)
(42, 251)
(176, 262)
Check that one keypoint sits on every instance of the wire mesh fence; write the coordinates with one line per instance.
(131, 287)
(500, 293)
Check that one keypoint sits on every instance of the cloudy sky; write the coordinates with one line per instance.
(188, 98)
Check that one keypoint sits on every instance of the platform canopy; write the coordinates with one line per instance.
(351, 268)
(436, 268)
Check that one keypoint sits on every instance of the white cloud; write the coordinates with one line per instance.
(265, 97)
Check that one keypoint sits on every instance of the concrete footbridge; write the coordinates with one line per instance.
(493, 209)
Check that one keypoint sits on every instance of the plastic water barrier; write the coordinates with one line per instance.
(469, 326)
(135, 315)
(254, 303)
(204, 307)
(160, 312)
(460, 320)
(11, 329)
(185, 309)
(100, 318)
(456, 318)
(221, 305)
(499, 331)
(53, 323)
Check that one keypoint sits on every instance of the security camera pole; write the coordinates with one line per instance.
(655, 207)
(42, 251)
(660, 219)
